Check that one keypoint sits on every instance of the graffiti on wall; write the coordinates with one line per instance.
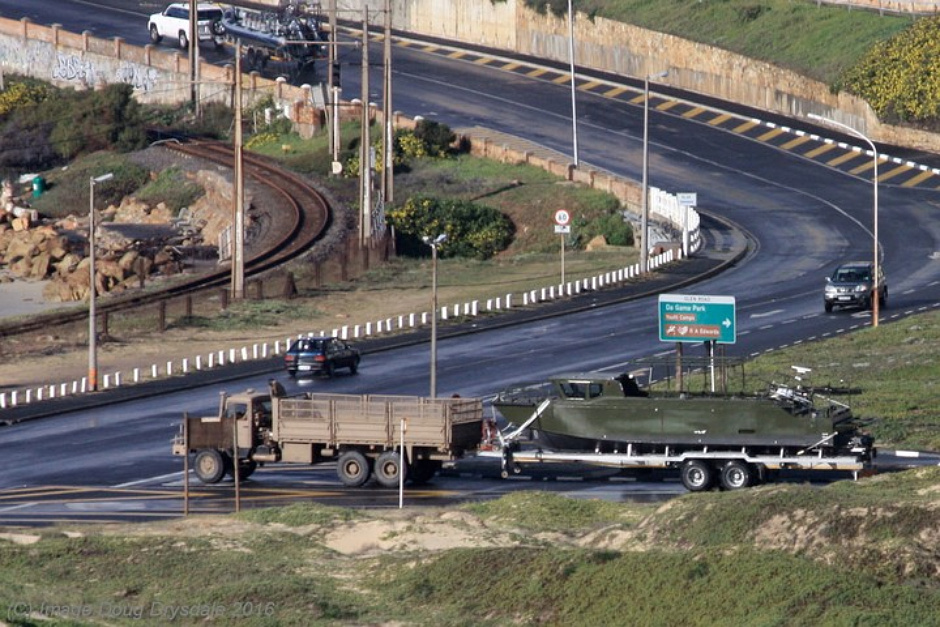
(72, 68)
(139, 77)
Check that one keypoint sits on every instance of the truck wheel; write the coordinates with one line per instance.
(697, 476)
(329, 370)
(388, 468)
(184, 40)
(209, 465)
(736, 475)
(155, 36)
(828, 307)
(354, 366)
(353, 469)
(423, 470)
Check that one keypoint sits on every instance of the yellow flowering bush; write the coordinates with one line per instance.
(900, 77)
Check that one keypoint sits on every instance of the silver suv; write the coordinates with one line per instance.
(174, 22)
(852, 285)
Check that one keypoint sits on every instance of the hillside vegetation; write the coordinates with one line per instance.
(889, 60)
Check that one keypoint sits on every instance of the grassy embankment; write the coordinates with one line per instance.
(848, 554)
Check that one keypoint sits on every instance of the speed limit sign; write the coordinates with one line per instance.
(562, 217)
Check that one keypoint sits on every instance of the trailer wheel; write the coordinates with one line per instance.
(353, 469)
(423, 470)
(209, 465)
(388, 467)
(736, 475)
(697, 476)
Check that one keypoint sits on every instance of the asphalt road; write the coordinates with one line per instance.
(800, 216)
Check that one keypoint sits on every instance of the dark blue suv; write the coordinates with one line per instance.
(320, 355)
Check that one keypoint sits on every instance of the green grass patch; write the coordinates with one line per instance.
(68, 189)
(819, 41)
(172, 188)
(530, 586)
(536, 511)
(300, 515)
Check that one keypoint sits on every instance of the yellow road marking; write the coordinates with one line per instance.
(666, 106)
(536, 72)
(815, 152)
(589, 85)
(720, 119)
(793, 143)
(564, 78)
(770, 134)
(694, 112)
(484, 61)
(895, 172)
(509, 67)
(457, 54)
(616, 91)
(920, 178)
(868, 165)
(851, 154)
(745, 127)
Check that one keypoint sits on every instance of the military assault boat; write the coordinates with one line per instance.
(604, 413)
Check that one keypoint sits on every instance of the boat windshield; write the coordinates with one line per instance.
(581, 389)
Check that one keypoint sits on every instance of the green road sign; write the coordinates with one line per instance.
(687, 318)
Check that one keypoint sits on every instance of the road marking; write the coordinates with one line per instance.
(815, 152)
(767, 313)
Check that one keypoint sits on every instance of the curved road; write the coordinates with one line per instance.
(802, 215)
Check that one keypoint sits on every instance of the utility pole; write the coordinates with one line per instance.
(238, 247)
(389, 135)
(333, 87)
(365, 147)
(193, 47)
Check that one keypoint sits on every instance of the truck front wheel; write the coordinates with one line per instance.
(209, 466)
(736, 475)
(353, 469)
(389, 470)
(697, 476)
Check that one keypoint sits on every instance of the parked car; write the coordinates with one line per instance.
(852, 285)
(174, 22)
(321, 355)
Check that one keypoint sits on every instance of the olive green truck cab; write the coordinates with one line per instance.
(363, 434)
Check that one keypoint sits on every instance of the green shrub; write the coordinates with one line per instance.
(898, 77)
(472, 230)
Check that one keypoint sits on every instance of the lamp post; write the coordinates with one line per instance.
(92, 328)
(434, 243)
(876, 298)
(644, 217)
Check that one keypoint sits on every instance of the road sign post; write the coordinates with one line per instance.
(562, 227)
(692, 318)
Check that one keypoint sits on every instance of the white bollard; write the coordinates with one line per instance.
(244, 353)
(211, 360)
(117, 379)
(52, 391)
(411, 320)
(254, 352)
(84, 385)
(29, 396)
(345, 332)
(356, 331)
(169, 368)
(474, 308)
(3, 400)
(185, 365)
(14, 395)
(444, 313)
(221, 359)
(368, 329)
(379, 326)
(424, 318)
(264, 350)
(64, 389)
(508, 301)
(198, 362)
(232, 356)
(153, 371)
(75, 387)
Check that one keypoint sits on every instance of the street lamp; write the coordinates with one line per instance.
(434, 243)
(92, 330)
(874, 154)
(644, 221)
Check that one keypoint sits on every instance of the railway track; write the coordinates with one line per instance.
(301, 217)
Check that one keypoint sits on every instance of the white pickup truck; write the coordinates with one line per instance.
(174, 22)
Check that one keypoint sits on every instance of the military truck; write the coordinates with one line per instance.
(362, 433)
(729, 441)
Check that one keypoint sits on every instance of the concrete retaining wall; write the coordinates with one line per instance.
(610, 46)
